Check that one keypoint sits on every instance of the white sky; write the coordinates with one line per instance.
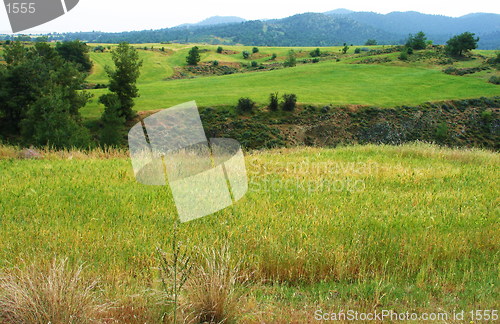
(115, 15)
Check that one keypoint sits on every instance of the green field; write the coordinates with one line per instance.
(413, 227)
(327, 82)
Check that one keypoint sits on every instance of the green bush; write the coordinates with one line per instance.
(494, 79)
(403, 56)
(219, 49)
(215, 63)
(254, 64)
(245, 104)
(442, 131)
(315, 53)
(255, 50)
(274, 56)
(289, 102)
(357, 50)
(246, 54)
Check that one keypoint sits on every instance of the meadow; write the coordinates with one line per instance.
(408, 228)
(322, 83)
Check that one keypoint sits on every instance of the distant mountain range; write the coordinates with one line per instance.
(315, 29)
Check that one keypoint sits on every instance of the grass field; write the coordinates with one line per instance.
(326, 82)
(413, 227)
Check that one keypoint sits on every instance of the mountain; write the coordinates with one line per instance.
(436, 27)
(216, 20)
(313, 29)
(340, 11)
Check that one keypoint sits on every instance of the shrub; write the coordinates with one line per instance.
(274, 56)
(255, 50)
(40, 294)
(357, 50)
(215, 63)
(315, 53)
(315, 60)
(494, 79)
(403, 56)
(273, 101)
(254, 64)
(219, 49)
(245, 104)
(442, 131)
(291, 61)
(246, 54)
(371, 42)
(289, 102)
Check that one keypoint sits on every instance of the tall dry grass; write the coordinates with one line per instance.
(54, 293)
(211, 290)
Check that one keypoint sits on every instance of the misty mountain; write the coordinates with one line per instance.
(436, 27)
(216, 20)
(313, 29)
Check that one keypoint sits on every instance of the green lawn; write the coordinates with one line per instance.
(321, 83)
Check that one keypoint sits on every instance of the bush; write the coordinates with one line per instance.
(291, 61)
(403, 56)
(254, 64)
(357, 50)
(315, 60)
(255, 50)
(273, 101)
(442, 131)
(494, 79)
(289, 102)
(371, 42)
(246, 54)
(315, 53)
(215, 63)
(274, 56)
(219, 49)
(245, 104)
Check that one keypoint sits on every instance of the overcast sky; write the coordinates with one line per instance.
(114, 15)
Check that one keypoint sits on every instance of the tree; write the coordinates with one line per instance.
(30, 78)
(345, 48)
(371, 42)
(255, 50)
(76, 52)
(48, 122)
(460, 44)
(220, 49)
(111, 132)
(123, 79)
(193, 56)
(273, 101)
(246, 54)
(291, 61)
(417, 42)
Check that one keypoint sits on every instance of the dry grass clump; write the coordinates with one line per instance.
(211, 289)
(54, 293)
